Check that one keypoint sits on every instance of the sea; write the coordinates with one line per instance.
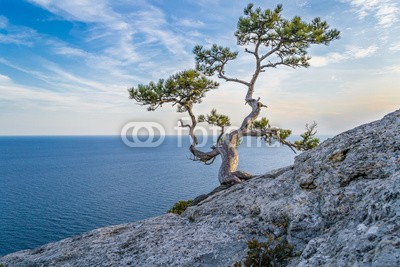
(56, 187)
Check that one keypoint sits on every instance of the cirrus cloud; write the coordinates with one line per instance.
(352, 52)
(386, 12)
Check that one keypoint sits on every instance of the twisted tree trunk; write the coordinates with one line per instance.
(228, 172)
(230, 160)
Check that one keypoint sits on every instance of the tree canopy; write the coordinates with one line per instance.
(267, 35)
(184, 88)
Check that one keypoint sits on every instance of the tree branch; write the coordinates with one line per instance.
(271, 51)
(222, 76)
(198, 155)
(220, 135)
(249, 51)
(269, 133)
(204, 156)
(184, 125)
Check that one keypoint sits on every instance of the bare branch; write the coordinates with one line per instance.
(249, 51)
(222, 76)
(205, 162)
(312, 129)
(210, 162)
(290, 145)
(204, 156)
(184, 125)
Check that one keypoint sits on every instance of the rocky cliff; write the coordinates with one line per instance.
(338, 205)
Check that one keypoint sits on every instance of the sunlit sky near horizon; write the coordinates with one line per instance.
(65, 66)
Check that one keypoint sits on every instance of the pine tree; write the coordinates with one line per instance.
(272, 41)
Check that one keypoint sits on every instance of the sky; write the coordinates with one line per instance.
(65, 66)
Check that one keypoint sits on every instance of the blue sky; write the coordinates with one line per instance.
(65, 66)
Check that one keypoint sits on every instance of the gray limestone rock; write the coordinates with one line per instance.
(338, 205)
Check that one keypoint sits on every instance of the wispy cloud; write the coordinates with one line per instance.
(152, 23)
(19, 39)
(61, 81)
(16, 34)
(120, 31)
(386, 12)
(80, 10)
(121, 36)
(69, 51)
(190, 23)
(352, 52)
(66, 91)
(3, 22)
(359, 52)
(20, 93)
(302, 3)
(4, 78)
(106, 25)
(395, 47)
(208, 3)
(392, 69)
(38, 75)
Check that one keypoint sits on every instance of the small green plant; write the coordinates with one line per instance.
(308, 140)
(275, 252)
(1, 265)
(180, 206)
(282, 222)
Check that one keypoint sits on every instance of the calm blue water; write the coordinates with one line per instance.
(55, 187)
